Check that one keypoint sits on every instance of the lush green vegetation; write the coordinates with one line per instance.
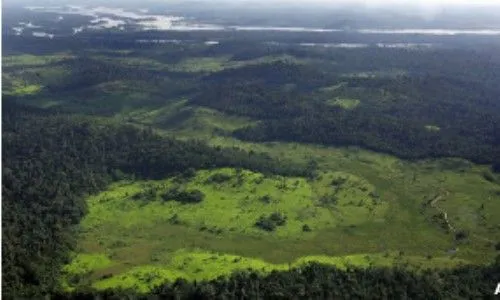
(323, 282)
(126, 168)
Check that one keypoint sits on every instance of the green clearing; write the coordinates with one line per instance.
(20, 89)
(433, 128)
(201, 64)
(372, 215)
(31, 79)
(27, 60)
(194, 64)
(376, 74)
(344, 103)
(266, 60)
(199, 265)
(176, 116)
(333, 88)
(235, 205)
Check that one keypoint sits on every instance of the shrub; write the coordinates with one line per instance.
(219, 178)
(338, 181)
(328, 200)
(278, 218)
(189, 173)
(146, 194)
(489, 176)
(265, 224)
(461, 235)
(272, 221)
(193, 196)
(174, 220)
(265, 199)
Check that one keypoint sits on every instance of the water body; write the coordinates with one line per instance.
(270, 28)
(415, 46)
(106, 17)
(120, 17)
(22, 26)
(42, 34)
(18, 30)
(158, 41)
(378, 45)
(28, 25)
(338, 45)
(431, 31)
(209, 43)
(106, 23)
(406, 45)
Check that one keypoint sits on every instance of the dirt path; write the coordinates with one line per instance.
(433, 204)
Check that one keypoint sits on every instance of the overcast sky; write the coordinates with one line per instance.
(406, 2)
(381, 3)
(343, 2)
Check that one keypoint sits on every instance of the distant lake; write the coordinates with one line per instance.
(118, 18)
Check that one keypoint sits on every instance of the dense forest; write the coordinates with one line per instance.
(391, 118)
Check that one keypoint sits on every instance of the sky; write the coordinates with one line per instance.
(427, 8)
(330, 2)
(403, 2)
(433, 4)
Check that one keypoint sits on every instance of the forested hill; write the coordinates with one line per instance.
(51, 160)
(412, 117)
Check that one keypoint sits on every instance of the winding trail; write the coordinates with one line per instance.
(433, 204)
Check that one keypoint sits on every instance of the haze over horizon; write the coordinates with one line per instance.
(428, 15)
(368, 3)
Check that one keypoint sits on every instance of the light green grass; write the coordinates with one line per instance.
(84, 263)
(25, 60)
(333, 88)
(234, 206)
(81, 266)
(407, 186)
(29, 89)
(195, 64)
(433, 128)
(201, 64)
(140, 240)
(177, 115)
(376, 74)
(17, 86)
(30, 80)
(344, 103)
(201, 265)
(266, 60)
